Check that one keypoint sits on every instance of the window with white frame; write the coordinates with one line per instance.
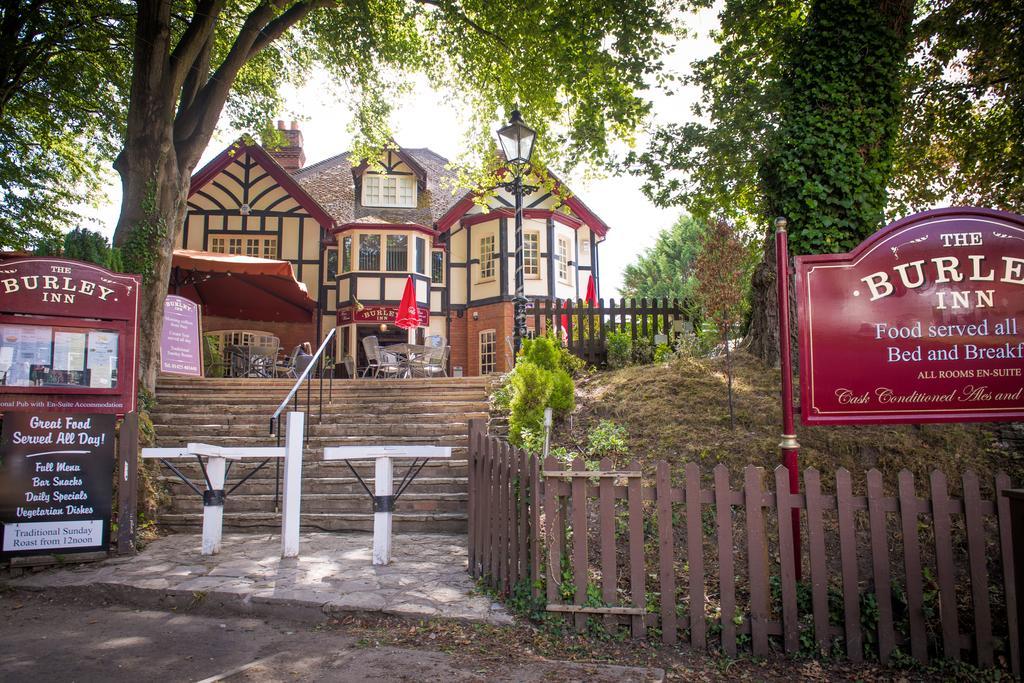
(563, 260)
(346, 253)
(488, 352)
(487, 257)
(369, 252)
(389, 190)
(437, 267)
(226, 245)
(531, 254)
(398, 253)
(261, 247)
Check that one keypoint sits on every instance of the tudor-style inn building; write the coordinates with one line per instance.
(355, 232)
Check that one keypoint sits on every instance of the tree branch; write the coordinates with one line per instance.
(451, 10)
(195, 39)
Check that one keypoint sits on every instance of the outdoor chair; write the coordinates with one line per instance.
(287, 367)
(262, 360)
(390, 364)
(350, 367)
(372, 350)
(431, 364)
(237, 358)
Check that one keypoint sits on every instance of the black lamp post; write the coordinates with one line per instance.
(517, 142)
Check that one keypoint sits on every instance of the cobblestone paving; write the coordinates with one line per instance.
(427, 576)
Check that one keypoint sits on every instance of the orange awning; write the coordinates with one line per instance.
(241, 287)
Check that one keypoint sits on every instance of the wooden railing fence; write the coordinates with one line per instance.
(931, 576)
(585, 327)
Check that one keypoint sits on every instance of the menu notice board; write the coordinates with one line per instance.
(56, 481)
(68, 337)
(923, 322)
(181, 350)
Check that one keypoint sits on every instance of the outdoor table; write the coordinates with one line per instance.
(406, 352)
(384, 495)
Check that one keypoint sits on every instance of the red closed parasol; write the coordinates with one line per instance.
(592, 292)
(408, 315)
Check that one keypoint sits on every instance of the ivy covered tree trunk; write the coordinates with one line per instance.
(829, 163)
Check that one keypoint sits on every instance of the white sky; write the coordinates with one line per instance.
(430, 119)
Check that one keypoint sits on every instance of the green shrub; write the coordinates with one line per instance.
(563, 393)
(607, 438)
(663, 353)
(213, 359)
(643, 351)
(620, 349)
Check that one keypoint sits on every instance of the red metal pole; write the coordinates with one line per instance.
(789, 448)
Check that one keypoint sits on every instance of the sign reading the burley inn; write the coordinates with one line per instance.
(923, 322)
(68, 337)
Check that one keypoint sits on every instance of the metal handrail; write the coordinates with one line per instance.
(275, 419)
(305, 373)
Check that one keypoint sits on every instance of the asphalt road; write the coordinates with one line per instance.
(66, 638)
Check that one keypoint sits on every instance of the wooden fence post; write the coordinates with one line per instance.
(580, 575)
(848, 557)
(606, 517)
(912, 565)
(695, 556)
(1009, 583)
(553, 533)
(945, 571)
(880, 565)
(816, 555)
(757, 560)
(666, 553)
(784, 505)
(976, 561)
(637, 575)
(127, 483)
(726, 569)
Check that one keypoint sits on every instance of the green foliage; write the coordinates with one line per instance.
(643, 351)
(83, 245)
(663, 353)
(140, 251)
(62, 76)
(540, 380)
(213, 357)
(722, 269)
(607, 438)
(666, 269)
(620, 349)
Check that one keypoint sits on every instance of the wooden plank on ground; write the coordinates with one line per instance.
(977, 562)
(666, 553)
(785, 505)
(880, 565)
(726, 569)
(695, 556)
(945, 572)
(912, 566)
(848, 559)
(818, 560)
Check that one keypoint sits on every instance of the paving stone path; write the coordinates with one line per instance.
(427, 576)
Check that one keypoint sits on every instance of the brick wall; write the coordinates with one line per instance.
(497, 317)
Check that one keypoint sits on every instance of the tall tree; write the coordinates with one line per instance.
(842, 113)
(666, 269)
(63, 68)
(572, 68)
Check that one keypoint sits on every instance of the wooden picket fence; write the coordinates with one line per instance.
(935, 573)
(585, 327)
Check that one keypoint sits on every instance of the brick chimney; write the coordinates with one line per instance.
(290, 155)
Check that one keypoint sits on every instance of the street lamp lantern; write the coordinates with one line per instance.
(517, 140)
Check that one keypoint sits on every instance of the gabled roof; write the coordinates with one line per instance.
(270, 165)
(332, 183)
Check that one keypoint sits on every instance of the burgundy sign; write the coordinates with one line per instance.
(923, 322)
(378, 314)
(180, 339)
(68, 337)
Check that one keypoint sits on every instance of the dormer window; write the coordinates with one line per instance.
(389, 190)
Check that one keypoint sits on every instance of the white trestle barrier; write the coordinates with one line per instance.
(216, 468)
(292, 485)
(384, 473)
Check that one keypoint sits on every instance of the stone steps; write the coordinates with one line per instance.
(236, 413)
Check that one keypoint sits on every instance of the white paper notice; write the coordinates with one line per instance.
(35, 345)
(69, 351)
(102, 358)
